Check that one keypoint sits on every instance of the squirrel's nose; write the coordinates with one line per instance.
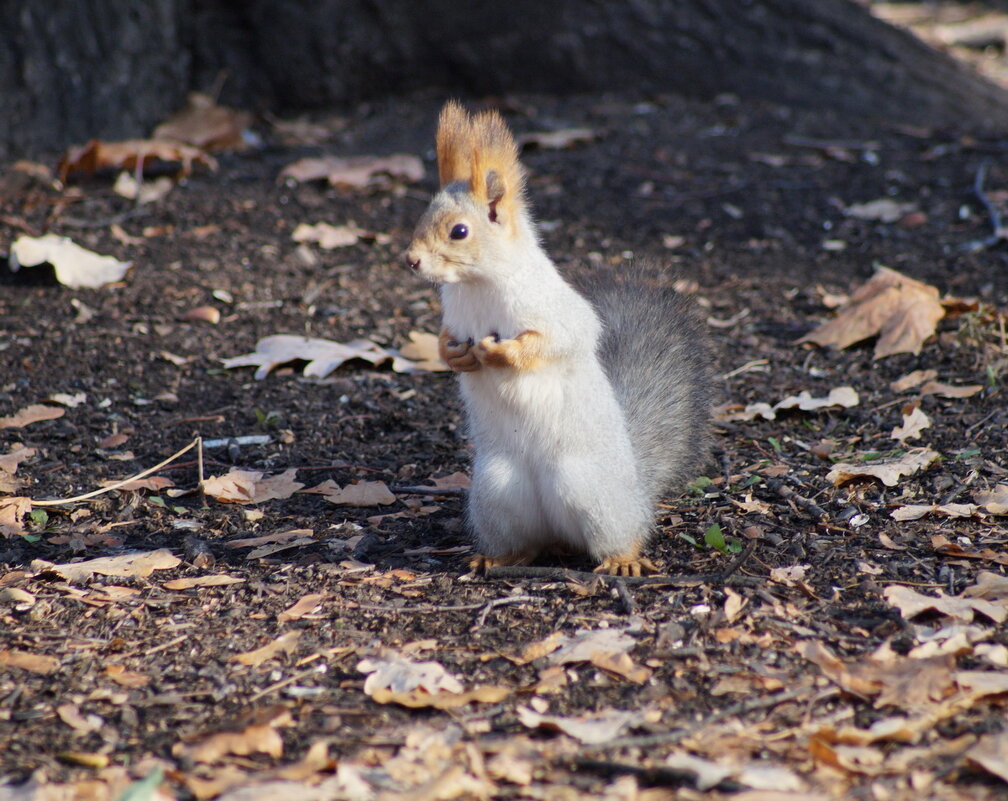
(413, 262)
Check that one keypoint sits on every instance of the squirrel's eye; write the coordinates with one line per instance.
(460, 231)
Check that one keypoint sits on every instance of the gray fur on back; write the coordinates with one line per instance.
(653, 350)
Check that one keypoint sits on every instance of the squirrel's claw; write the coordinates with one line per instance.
(481, 563)
(459, 356)
(627, 566)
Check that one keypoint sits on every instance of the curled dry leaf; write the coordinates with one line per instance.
(423, 350)
(249, 486)
(206, 125)
(991, 753)
(356, 171)
(913, 424)
(888, 471)
(153, 483)
(557, 140)
(995, 501)
(143, 192)
(400, 675)
(206, 314)
(25, 660)
(202, 581)
(917, 511)
(903, 313)
(97, 155)
(591, 729)
(284, 644)
(132, 565)
(323, 355)
(34, 413)
(13, 510)
(259, 738)
(946, 548)
(75, 267)
(950, 390)
(840, 397)
(18, 453)
(308, 604)
(912, 379)
(881, 210)
(962, 607)
(363, 493)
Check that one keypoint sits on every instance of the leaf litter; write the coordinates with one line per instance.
(694, 635)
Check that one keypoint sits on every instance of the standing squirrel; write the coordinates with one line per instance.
(583, 409)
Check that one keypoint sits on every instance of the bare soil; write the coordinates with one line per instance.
(743, 205)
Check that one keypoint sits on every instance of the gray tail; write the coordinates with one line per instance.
(654, 350)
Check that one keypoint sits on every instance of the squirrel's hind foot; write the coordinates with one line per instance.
(481, 562)
(627, 565)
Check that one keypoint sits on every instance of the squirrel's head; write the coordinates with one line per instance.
(469, 229)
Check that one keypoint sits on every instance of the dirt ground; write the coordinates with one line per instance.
(740, 680)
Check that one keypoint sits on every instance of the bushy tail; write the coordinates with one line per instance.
(653, 350)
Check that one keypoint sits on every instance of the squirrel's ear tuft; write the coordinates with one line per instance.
(454, 143)
(497, 177)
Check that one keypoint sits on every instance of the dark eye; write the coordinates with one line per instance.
(460, 231)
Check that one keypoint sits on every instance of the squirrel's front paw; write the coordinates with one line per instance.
(459, 356)
(627, 565)
(523, 352)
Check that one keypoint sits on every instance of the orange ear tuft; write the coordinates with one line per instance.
(454, 143)
(497, 177)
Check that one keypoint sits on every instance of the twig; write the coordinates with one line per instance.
(675, 736)
(509, 599)
(63, 502)
(738, 561)
(626, 599)
(999, 232)
(789, 494)
(429, 490)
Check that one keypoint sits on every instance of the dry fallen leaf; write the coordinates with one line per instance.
(995, 501)
(423, 350)
(323, 355)
(460, 481)
(917, 511)
(284, 644)
(950, 390)
(205, 314)
(13, 510)
(31, 414)
(18, 453)
(75, 267)
(33, 663)
(249, 486)
(308, 604)
(97, 155)
(420, 699)
(945, 548)
(400, 675)
(962, 607)
(202, 581)
(134, 565)
(913, 424)
(259, 738)
(903, 313)
(842, 397)
(206, 125)
(557, 140)
(356, 171)
(991, 754)
(913, 379)
(143, 192)
(327, 236)
(888, 471)
(591, 729)
(881, 210)
(363, 493)
(789, 576)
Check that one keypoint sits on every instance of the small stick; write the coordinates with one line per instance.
(789, 494)
(626, 599)
(998, 230)
(137, 477)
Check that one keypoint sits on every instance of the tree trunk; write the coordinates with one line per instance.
(74, 69)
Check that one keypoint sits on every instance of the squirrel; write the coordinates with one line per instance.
(583, 407)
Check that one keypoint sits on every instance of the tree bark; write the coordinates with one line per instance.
(75, 69)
